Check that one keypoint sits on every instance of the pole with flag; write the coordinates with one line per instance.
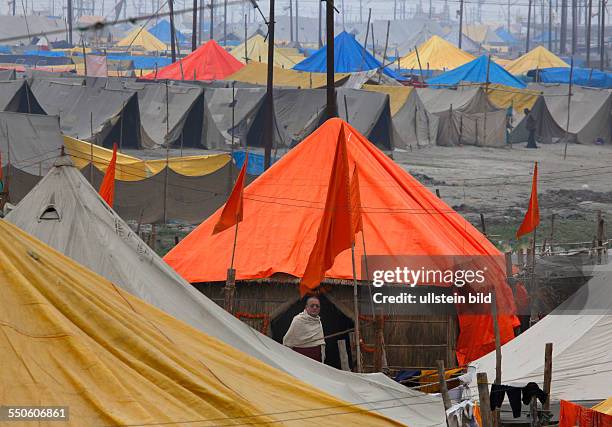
(530, 224)
(231, 216)
(107, 188)
(340, 222)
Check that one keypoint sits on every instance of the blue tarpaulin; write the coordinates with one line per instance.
(349, 57)
(581, 76)
(475, 71)
(49, 53)
(143, 62)
(161, 30)
(503, 34)
(5, 49)
(256, 162)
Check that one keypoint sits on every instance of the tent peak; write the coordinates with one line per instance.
(63, 160)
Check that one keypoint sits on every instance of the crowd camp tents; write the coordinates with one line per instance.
(435, 54)
(580, 330)
(257, 73)
(140, 39)
(161, 31)
(16, 96)
(208, 62)
(403, 217)
(131, 265)
(71, 337)
(590, 111)
(536, 59)
(479, 70)
(461, 117)
(349, 57)
(257, 51)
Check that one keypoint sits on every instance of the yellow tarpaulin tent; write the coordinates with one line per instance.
(140, 38)
(518, 99)
(69, 337)
(436, 54)
(257, 51)
(538, 58)
(257, 72)
(477, 32)
(398, 95)
(130, 168)
(604, 407)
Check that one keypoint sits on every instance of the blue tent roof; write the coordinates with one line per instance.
(503, 34)
(349, 57)
(581, 76)
(475, 71)
(161, 30)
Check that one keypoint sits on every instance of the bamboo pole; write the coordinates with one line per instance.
(384, 53)
(485, 401)
(356, 313)
(569, 104)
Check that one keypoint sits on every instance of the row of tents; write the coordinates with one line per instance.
(86, 301)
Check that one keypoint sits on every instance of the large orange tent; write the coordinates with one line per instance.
(283, 209)
(208, 62)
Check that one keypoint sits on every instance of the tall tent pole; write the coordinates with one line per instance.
(194, 26)
(569, 104)
(364, 51)
(331, 88)
(356, 313)
(563, 36)
(291, 21)
(225, 23)
(212, 19)
(528, 27)
(602, 35)
(550, 19)
(319, 38)
(382, 68)
(167, 155)
(172, 39)
(460, 22)
(68, 18)
(574, 27)
(588, 33)
(484, 131)
(269, 124)
(297, 22)
(246, 49)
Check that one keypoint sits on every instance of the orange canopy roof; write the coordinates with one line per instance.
(208, 62)
(283, 209)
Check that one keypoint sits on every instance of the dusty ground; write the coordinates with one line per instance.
(497, 183)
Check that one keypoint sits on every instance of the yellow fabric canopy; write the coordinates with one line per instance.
(604, 407)
(477, 32)
(257, 72)
(130, 168)
(69, 337)
(398, 95)
(438, 53)
(518, 99)
(140, 38)
(538, 58)
(257, 51)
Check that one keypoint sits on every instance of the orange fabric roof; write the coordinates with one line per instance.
(208, 62)
(283, 208)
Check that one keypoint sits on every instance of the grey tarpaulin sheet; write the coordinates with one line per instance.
(181, 127)
(111, 114)
(7, 75)
(35, 140)
(414, 124)
(15, 26)
(547, 129)
(94, 235)
(590, 110)
(16, 96)
(18, 183)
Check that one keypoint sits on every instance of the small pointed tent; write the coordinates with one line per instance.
(208, 62)
(349, 57)
(140, 38)
(283, 208)
(84, 220)
(436, 54)
(538, 58)
(476, 72)
(70, 337)
(161, 30)
(257, 51)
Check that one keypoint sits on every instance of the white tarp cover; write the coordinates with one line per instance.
(581, 332)
(94, 235)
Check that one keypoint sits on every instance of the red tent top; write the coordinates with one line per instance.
(282, 212)
(208, 62)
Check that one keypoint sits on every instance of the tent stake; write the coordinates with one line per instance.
(485, 402)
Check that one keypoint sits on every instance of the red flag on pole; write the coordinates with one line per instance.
(232, 211)
(532, 217)
(107, 188)
(338, 224)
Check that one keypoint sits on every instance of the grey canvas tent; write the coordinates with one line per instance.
(16, 96)
(34, 141)
(414, 124)
(547, 129)
(466, 116)
(580, 330)
(8, 74)
(93, 113)
(590, 111)
(93, 234)
(15, 26)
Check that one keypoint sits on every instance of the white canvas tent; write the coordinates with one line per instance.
(581, 332)
(64, 211)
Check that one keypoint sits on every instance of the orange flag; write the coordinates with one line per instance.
(356, 220)
(532, 217)
(336, 231)
(107, 188)
(232, 211)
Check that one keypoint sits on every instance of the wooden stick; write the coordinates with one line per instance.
(356, 314)
(443, 385)
(547, 374)
(485, 401)
(533, 411)
(483, 224)
(230, 290)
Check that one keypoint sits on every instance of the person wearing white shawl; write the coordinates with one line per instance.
(305, 335)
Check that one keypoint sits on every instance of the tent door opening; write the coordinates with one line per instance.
(333, 320)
